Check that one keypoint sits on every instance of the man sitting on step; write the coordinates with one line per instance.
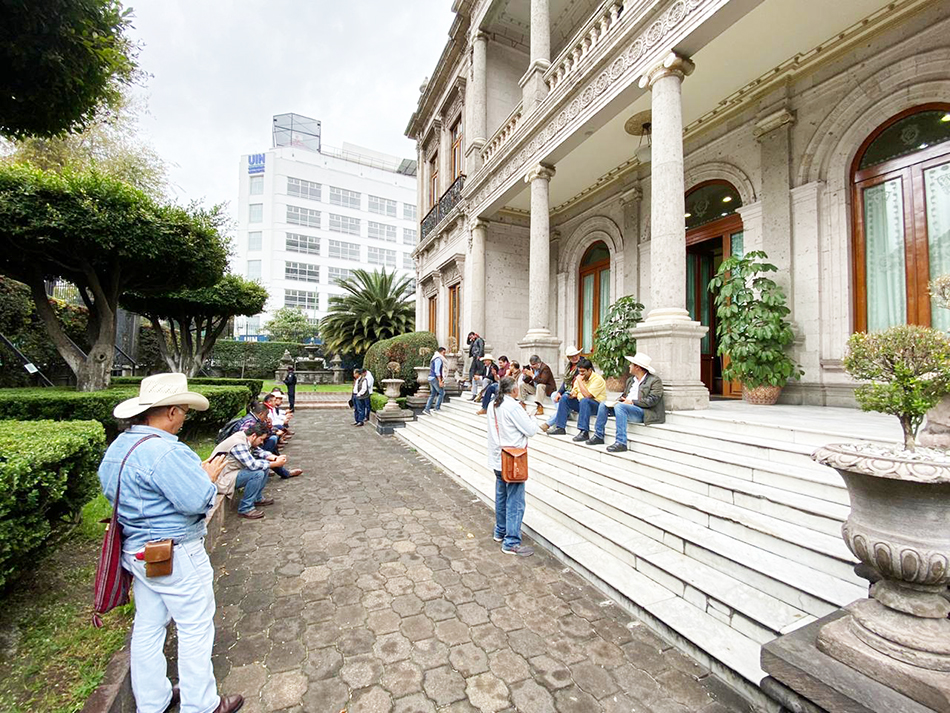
(641, 402)
(588, 391)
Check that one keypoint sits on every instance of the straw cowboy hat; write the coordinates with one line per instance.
(641, 360)
(572, 351)
(161, 390)
(488, 357)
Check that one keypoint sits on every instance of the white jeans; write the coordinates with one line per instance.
(187, 596)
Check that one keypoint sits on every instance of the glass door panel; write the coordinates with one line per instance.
(884, 254)
(604, 302)
(937, 197)
(587, 313)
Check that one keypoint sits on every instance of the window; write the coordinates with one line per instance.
(901, 200)
(457, 149)
(254, 240)
(256, 185)
(383, 206)
(594, 293)
(303, 271)
(297, 243)
(408, 211)
(343, 250)
(336, 274)
(301, 299)
(344, 224)
(407, 262)
(381, 231)
(253, 269)
(410, 236)
(381, 256)
(303, 189)
(303, 216)
(433, 313)
(455, 310)
(253, 325)
(255, 213)
(433, 180)
(345, 198)
(412, 285)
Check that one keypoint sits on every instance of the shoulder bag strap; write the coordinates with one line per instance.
(118, 484)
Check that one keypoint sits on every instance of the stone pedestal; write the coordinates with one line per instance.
(451, 370)
(418, 399)
(533, 87)
(336, 366)
(548, 348)
(674, 347)
(391, 416)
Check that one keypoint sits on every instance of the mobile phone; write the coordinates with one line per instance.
(218, 455)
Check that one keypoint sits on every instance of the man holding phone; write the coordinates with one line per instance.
(247, 465)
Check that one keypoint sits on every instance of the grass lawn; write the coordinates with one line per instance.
(51, 656)
(301, 388)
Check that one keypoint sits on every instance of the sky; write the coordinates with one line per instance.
(220, 70)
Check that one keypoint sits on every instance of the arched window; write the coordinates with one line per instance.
(901, 237)
(594, 293)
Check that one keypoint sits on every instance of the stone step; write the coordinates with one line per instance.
(692, 629)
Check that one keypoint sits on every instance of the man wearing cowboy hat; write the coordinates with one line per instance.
(167, 492)
(641, 402)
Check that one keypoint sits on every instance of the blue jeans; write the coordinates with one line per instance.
(361, 409)
(187, 596)
(586, 408)
(436, 394)
(564, 406)
(253, 482)
(622, 414)
(509, 511)
(270, 445)
(489, 394)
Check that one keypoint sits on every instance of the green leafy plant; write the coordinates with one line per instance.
(290, 325)
(259, 360)
(908, 368)
(403, 349)
(613, 341)
(378, 305)
(753, 330)
(254, 386)
(393, 367)
(377, 401)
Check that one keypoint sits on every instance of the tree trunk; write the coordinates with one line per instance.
(95, 373)
(907, 426)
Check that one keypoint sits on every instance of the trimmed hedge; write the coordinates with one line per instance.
(47, 472)
(404, 349)
(66, 404)
(259, 360)
(377, 401)
(254, 386)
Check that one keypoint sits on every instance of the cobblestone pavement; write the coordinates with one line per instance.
(373, 584)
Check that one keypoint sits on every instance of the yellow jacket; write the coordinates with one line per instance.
(595, 384)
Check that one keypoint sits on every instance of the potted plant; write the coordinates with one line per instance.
(613, 340)
(753, 329)
(936, 432)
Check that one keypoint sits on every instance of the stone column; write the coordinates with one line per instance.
(773, 133)
(532, 83)
(420, 301)
(477, 287)
(445, 157)
(538, 339)
(668, 334)
(478, 130)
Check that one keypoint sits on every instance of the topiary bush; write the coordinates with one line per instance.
(377, 401)
(404, 349)
(47, 473)
(66, 404)
(258, 360)
(253, 386)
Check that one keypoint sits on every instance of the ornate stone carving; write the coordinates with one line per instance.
(672, 66)
(540, 171)
(923, 465)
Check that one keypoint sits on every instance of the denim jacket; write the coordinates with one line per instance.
(165, 491)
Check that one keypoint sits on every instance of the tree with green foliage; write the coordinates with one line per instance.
(63, 61)
(379, 305)
(613, 340)
(106, 238)
(290, 325)
(195, 318)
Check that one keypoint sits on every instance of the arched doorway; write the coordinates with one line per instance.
(594, 293)
(713, 234)
(901, 239)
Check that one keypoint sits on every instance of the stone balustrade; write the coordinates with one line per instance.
(501, 136)
(584, 42)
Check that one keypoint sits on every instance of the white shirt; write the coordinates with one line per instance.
(634, 393)
(515, 426)
(370, 381)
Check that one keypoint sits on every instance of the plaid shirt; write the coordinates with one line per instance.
(252, 459)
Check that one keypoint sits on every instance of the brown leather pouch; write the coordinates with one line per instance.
(158, 558)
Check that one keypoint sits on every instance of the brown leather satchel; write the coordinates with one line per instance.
(514, 461)
(159, 558)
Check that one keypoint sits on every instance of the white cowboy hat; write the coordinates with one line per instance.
(161, 390)
(488, 357)
(641, 360)
(572, 351)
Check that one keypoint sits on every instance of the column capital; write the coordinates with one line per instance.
(479, 224)
(540, 171)
(480, 36)
(673, 65)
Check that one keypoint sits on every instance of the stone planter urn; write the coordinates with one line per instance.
(451, 371)
(391, 416)
(936, 434)
(899, 526)
(761, 395)
(418, 399)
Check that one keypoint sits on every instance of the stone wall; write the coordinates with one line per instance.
(506, 258)
(506, 66)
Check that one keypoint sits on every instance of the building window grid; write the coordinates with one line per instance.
(303, 271)
(303, 216)
(382, 206)
(298, 243)
(255, 186)
(300, 188)
(381, 256)
(410, 236)
(407, 262)
(336, 274)
(344, 224)
(301, 299)
(343, 197)
(253, 269)
(255, 240)
(381, 231)
(408, 211)
(255, 213)
(343, 250)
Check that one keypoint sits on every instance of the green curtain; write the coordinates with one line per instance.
(884, 251)
(587, 338)
(937, 193)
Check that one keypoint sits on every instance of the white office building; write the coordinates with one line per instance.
(308, 215)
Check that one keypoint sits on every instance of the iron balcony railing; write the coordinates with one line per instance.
(441, 209)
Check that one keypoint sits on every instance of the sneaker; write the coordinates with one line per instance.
(595, 441)
(426, 412)
(557, 432)
(581, 436)
(519, 551)
(498, 539)
(617, 448)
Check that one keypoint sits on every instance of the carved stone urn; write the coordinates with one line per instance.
(900, 526)
(391, 415)
(418, 399)
(451, 369)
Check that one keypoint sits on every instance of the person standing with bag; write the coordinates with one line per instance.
(509, 428)
(167, 492)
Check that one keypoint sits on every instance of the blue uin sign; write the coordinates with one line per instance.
(255, 163)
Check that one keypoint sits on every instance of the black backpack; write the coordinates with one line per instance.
(229, 429)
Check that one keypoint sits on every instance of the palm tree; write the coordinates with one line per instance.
(379, 306)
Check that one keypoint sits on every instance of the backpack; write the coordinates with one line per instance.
(229, 429)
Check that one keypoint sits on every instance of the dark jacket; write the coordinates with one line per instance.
(569, 377)
(544, 378)
(476, 349)
(650, 398)
(478, 368)
(291, 379)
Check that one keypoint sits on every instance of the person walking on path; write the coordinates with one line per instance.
(509, 426)
(290, 381)
(167, 495)
(641, 402)
(436, 381)
(476, 350)
(247, 466)
(360, 398)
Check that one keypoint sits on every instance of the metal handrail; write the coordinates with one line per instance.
(25, 359)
